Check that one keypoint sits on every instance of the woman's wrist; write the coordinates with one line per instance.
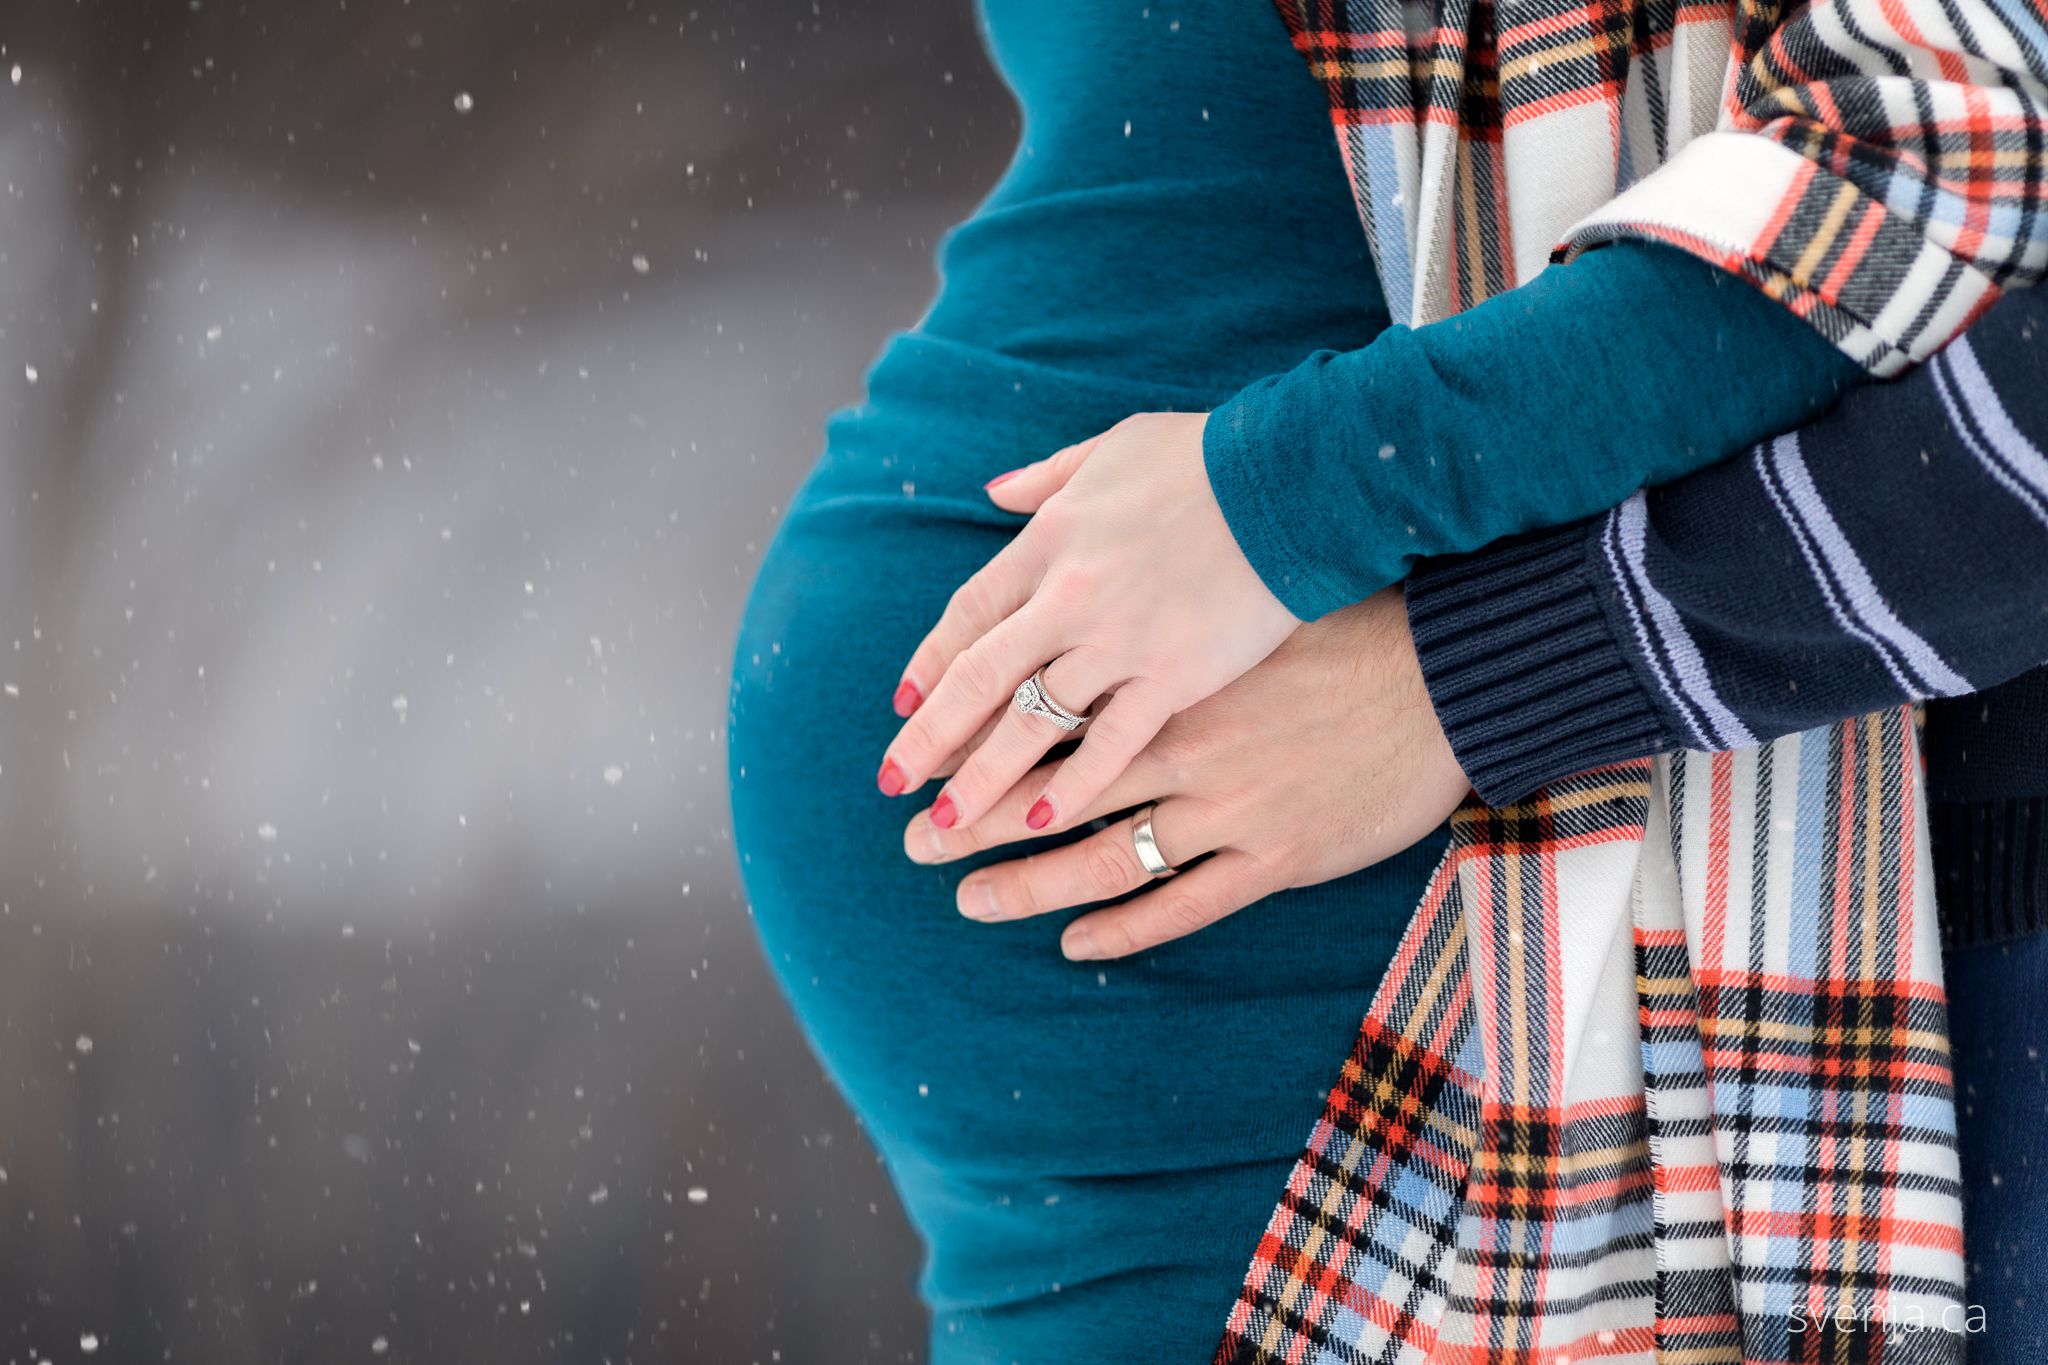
(1241, 466)
(1633, 366)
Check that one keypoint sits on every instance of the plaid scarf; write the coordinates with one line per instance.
(1660, 1071)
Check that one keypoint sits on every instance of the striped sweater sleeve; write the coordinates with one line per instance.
(1896, 549)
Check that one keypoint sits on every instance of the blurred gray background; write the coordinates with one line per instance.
(395, 396)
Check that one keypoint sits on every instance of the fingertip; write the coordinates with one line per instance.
(890, 779)
(1078, 944)
(1020, 490)
(922, 843)
(1014, 497)
(976, 899)
(1040, 815)
(907, 699)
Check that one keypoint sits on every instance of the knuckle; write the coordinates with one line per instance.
(1273, 866)
(1048, 526)
(1230, 807)
(971, 601)
(1106, 867)
(1178, 748)
(1072, 585)
(975, 788)
(918, 748)
(1113, 733)
(977, 676)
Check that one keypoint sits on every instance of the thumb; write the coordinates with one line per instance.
(1025, 490)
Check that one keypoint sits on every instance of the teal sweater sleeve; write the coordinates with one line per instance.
(1634, 365)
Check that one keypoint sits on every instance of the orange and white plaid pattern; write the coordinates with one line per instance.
(1661, 1071)
(1878, 165)
(1660, 1074)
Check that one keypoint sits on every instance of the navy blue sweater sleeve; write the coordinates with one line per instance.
(1541, 405)
(1896, 549)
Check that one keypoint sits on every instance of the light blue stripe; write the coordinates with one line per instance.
(1768, 1100)
(1572, 1236)
(1689, 689)
(1671, 1058)
(1389, 227)
(1909, 197)
(1809, 849)
(2024, 21)
(2013, 460)
(1858, 594)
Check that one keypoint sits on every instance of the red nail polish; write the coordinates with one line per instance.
(1003, 477)
(890, 779)
(943, 812)
(1040, 814)
(907, 698)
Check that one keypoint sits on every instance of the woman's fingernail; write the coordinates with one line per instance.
(1004, 477)
(943, 812)
(1040, 814)
(1079, 945)
(890, 779)
(907, 698)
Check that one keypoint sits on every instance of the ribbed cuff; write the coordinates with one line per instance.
(1991, 869)
(1530, 680)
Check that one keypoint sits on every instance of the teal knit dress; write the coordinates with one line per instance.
(1090, 1151)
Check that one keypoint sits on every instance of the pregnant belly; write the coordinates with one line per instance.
(1036, 1113)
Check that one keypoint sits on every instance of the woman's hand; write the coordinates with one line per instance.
(1324, 759)
(1126, 586)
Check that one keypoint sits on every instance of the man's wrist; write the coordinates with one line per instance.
(1528, 675)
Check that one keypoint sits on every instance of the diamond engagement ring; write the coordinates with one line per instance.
(1033, 700)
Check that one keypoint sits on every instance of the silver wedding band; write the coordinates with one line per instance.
(1148, 847)
(1033, 700)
